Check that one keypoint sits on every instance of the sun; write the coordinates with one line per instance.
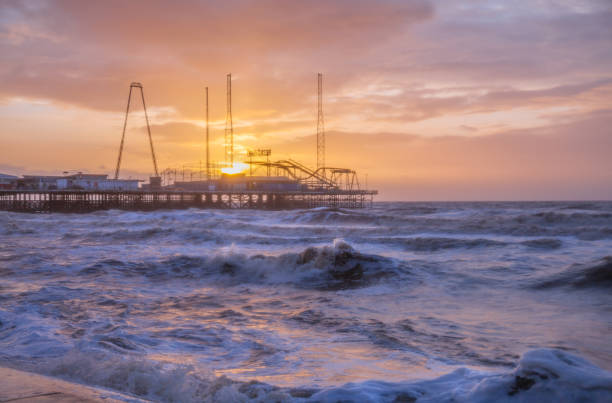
(237, 168)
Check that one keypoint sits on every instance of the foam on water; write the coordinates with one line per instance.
(540, 375)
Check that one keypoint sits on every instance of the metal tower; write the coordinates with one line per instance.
(320, 124)
(207, 141)
(127, 111)
(229, 127)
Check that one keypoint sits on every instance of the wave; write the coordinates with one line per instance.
(597, 274)
(331, 215)
(576, 218)
(512, 219)
(432, 244)
(476, 219)
(327, 267)
(540, 375)
(123, 234)
(543, 243)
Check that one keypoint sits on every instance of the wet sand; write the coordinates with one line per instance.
(19, 386)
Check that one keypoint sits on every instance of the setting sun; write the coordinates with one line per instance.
(237, 168)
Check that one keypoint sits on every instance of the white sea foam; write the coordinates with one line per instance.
(540, 376)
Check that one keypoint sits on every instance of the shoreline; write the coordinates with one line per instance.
(21, 386)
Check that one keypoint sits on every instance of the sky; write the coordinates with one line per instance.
(425, 99)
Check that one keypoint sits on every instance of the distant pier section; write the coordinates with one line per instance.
(83, 201)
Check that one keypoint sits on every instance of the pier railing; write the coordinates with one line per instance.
(79, 201)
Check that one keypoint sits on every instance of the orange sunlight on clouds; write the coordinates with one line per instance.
(433, 100)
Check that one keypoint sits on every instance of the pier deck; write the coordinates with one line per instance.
(81, 201)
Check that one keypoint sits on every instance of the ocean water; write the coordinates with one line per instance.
(426, 302)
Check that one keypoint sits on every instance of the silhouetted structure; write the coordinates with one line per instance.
(229, 125)
(320, 124)
(286, 184)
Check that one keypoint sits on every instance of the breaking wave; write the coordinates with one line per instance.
(540, 375)
(330, 215)
(328, 267)
(598, 274)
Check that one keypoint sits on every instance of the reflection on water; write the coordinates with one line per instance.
(309, 299)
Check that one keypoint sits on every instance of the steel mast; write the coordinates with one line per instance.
(127, 111)
(320, 124)
(207, 141)
(229, 127)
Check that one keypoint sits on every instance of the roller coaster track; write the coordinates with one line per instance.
(318, 178)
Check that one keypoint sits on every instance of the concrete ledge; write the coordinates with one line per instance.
(21, 387)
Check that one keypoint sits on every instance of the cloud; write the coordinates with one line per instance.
(176, 132)
(563, 161)
(411, 88)
(514, 41)
(373, 53)
(175, 49)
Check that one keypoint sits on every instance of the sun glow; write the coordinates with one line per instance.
(237, 168)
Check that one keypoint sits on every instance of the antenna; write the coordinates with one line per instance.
(207, 141)
(229, 128)
(127, 111)
(320, 124)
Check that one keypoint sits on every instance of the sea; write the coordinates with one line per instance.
(401, 302)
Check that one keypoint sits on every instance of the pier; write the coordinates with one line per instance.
(255, 183)
(83, 201)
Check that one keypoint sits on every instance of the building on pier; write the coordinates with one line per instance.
(38, 182)
(241, 182)
(79, 181)
(8, 181)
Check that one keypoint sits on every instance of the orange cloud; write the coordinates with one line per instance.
(432, 75)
